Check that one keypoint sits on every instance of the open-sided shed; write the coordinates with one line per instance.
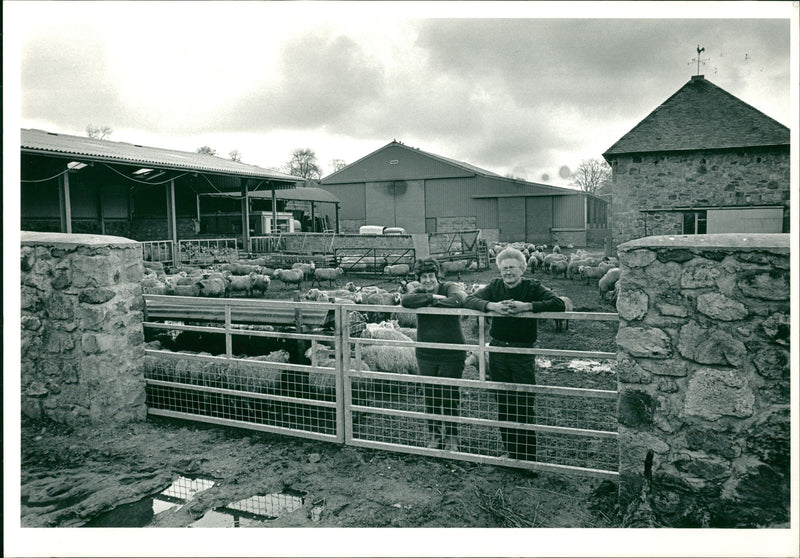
(85, 185)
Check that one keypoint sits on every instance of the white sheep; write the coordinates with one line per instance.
(559, 267)
(456, 266)
(241, 268)
(608, 281)
(556, 249)
(397, 270)
(306, 268)
(388, 358)
(214, 287)
(239, 284)
(329, 274)
(152, 285)
(473, 266)
(589, 272)
(287, 276)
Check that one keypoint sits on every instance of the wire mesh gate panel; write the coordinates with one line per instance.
(263, 392)
(337, 397)
(530, 426)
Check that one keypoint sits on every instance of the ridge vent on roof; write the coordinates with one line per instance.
(51, 134)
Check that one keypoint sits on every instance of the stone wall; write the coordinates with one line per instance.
(703, 362)
(693, 179)
(82, 346)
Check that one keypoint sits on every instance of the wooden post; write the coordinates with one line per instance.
(245, 216)
(65, 208)
(337, 217)
(172, 221)
(100, 209)
(313, 222)
(274, 227)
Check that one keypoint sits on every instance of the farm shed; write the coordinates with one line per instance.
(317, 209)
(402, 186)
(702, 162)
(85, 185)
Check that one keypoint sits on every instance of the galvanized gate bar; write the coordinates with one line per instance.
(369, 408)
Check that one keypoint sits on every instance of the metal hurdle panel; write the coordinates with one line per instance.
(247, 392)
(336, 398)
(575, 429)
(207, 250)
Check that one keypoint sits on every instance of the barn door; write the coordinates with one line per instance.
(511, 219)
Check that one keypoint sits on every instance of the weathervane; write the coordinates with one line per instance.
(698, 59)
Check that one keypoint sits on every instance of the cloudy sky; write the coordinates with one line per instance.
(517, 88)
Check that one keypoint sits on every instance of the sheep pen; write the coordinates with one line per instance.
(342, 481)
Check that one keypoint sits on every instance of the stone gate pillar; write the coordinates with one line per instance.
(704, 370)
(82, 345)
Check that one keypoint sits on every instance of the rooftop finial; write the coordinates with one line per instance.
(698, 59)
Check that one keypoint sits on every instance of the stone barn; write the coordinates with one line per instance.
(702, 162)
(402, 186)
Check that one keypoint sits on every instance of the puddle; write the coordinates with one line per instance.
(253, 511)
(141, 513)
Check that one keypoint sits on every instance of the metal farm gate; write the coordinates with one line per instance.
(341, 397)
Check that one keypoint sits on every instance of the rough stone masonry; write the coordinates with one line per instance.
(82, 346)
(703, 361)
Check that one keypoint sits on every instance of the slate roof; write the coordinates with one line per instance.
(84, 148)
(701, 115)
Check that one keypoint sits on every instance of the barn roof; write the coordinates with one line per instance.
(84, 148)
(296, 194)
(701, 115)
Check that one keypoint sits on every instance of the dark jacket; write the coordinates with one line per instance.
(515, 330)
(437, 328)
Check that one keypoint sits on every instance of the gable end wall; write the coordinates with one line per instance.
(693, 179)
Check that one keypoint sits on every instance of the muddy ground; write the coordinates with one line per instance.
(79, 476)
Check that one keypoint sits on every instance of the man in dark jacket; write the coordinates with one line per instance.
(442, 363)
(507, 295)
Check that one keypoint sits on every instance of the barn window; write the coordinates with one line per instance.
(694, 222)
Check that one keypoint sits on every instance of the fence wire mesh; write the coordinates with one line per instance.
(334, 396)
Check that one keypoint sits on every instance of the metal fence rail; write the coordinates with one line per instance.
(207, 250)
(340, 395)
(158, 251)
(264, 393)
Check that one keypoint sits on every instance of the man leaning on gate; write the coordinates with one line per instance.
(511, 294)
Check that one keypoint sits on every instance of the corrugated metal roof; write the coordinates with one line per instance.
(701, 115)
(296, 194)
(39, 141)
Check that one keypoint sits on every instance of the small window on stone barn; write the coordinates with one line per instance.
(694, 222)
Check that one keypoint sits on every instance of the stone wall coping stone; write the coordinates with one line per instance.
(701, 242)
(29, 238)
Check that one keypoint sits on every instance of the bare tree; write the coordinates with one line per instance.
(206, 150)
(590, 174)
(98, 132)
(337, 164)
(235, 155)
(304, 164)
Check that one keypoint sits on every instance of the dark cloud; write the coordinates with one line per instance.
(323, 81)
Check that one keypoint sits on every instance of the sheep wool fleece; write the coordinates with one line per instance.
(437, 328)
(515, 330)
